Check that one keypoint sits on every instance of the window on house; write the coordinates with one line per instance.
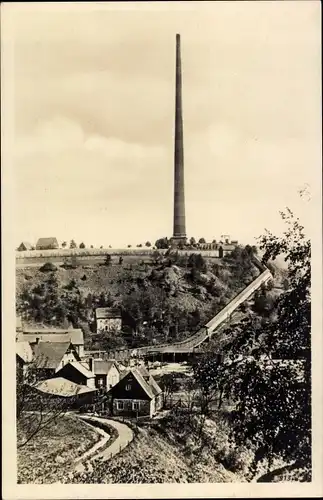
(100, 381)
(128, 387)
(120, 405)
(135, 406)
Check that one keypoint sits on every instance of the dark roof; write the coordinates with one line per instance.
(101, 367)
(107, 312)
(150, 386)
(47, 242)
(53, 335)
(48, 354)
(80, 368)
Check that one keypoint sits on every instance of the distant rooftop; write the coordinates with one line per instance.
(74, 335)
(102, 367)
(44, 243)
(107, 313)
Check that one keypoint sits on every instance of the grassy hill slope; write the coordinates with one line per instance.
(165, 299)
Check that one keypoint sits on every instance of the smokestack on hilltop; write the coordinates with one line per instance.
(179, 226)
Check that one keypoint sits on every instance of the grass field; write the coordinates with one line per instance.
(53, 449)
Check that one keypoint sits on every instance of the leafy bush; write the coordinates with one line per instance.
(48, 267)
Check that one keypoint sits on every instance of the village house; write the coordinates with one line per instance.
(47, 244)
(108, 319)
(106, 373)
(50, 357)
(78, 373)
(136, 394)
(25, 246)
(52, 335)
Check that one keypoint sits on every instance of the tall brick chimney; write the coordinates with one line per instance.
(179, 226)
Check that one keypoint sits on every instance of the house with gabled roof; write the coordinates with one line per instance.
(24, 246)
(108, 319)
(50, 357)
(77, 372)
(135, 395)
(107, 373)
(47, 244)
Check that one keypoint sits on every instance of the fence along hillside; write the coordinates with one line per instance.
(101, 252)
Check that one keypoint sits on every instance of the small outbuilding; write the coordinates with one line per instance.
(24, 246)
(65, 392)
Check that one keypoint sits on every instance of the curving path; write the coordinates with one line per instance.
(125, 436)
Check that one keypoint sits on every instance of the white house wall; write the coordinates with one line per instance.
(113, 377)
(109, 325)
(67, 358)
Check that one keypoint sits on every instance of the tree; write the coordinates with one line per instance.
(129, 246)
(64, 244)
(48, 267)
(270, 379)
(192, 241)
(169, 384)
(148, 244)
(202, 240)
(73, 244)
(82, 245)
(107, 341)
(162, 243)
(35, 410)
(197, 262)
(156, 256)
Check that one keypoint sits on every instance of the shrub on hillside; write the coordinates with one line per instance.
(48, 267)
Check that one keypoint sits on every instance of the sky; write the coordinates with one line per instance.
(93, 93)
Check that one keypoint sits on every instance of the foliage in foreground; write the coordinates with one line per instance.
(266, 368)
